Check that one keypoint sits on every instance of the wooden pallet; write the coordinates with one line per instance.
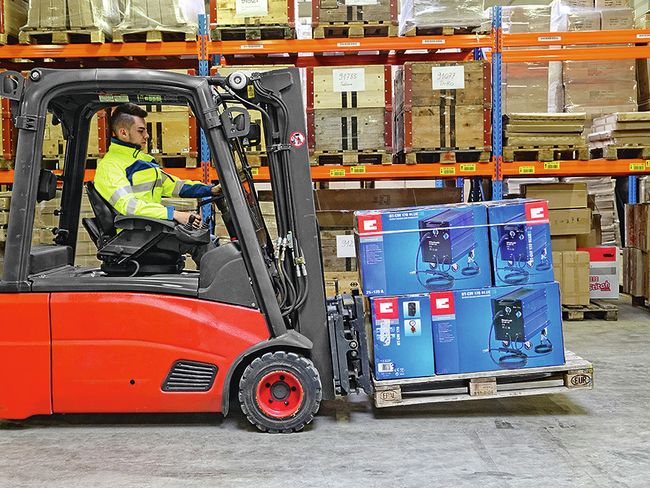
(354, 29)
(7, 38)
(71, 36)
(351, 158)
(597, 309)
(545, 153)
(153, 36)
(256, 159)
(176, 160)
(252, 33)
(450, 155)
(441, 31)
(640, 302)
(576, 373)
(620, 152)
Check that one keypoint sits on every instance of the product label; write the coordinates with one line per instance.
(349, 79)
(251, 8)
(442, 305)
(536, 213)
(386, 309)
(369, 225)
(345, 247)
(447, 170)
(448, 77)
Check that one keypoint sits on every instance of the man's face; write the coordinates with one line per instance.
(135, 134)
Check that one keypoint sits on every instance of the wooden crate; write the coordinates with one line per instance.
(13, 15)
(173, 137)
(330, 11)
(331, 261)
(341, 282)
(277, 22)
(428, 118)
(54, 143)
(349, 109)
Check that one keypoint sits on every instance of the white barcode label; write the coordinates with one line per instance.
(433, 41)
(385, 367)
(251, 46)
(549, 38)
(348, 44)
(643, 36)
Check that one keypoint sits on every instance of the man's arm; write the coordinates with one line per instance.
(175, 187)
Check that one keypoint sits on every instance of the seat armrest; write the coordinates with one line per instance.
(128, 222)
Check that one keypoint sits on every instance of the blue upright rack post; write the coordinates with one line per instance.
(632, 192)
(497, 135)
(204, 150)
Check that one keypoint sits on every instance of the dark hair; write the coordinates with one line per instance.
(122, 116)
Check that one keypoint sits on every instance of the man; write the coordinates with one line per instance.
(132, 182)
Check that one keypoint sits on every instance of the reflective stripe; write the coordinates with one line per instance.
(158, 184)
(177, 188)
(119, 193)
(131, 206)
(142, 187)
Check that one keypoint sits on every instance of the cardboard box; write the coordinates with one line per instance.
(617, 19)
(423, 249)
(617, 4)
(402, 337)
(637, 226)
(575, 278)
(557, 266)
(497, 328)
(635, 272)
(603, 272)
(595, 236)
(570, 221)
(564, 243)
(520, 242)
(559, 195)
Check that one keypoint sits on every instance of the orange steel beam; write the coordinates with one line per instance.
(576, 54)
(595, 167)
(575, 38)
(144, 49)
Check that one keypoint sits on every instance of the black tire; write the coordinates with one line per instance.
(280, 392)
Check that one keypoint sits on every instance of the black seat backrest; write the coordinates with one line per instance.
(104, 213)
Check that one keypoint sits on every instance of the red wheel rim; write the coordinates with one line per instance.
(279, 394)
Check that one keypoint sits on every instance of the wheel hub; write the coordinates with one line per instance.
(279, 394)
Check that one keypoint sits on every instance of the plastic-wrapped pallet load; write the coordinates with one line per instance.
(161, 15)
(526, 18)
(71, 15)
(13, 15)
(419, 15)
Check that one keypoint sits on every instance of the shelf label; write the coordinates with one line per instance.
(251, 46)
(255, 171)
(549, 38)
(251, 8)
(637, 166)
(552, 165)
(468, 167)
(104, 97)
(149, 98)
(448, 77)
(337, 173)
(349, 80)
(345, 247)
(348, 44)
(447, 170)
(643, 36)
(526, 170)
(361, 2)
(647, 163)
(434, 41)
(357, 170)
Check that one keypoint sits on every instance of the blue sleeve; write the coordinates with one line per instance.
(170, 213)
(195, 191)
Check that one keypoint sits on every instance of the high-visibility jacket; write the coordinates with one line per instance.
(134, 184)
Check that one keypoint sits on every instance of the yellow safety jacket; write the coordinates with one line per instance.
(134, 184)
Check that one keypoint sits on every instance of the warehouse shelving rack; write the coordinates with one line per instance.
(497, 47)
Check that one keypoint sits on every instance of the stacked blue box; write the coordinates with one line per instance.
(419, 250)
(520, 238)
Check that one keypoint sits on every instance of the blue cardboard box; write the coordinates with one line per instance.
(497, 328)
(402, 337)
(423, 249)
(520, 238)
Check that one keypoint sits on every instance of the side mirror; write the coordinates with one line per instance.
(46, 186)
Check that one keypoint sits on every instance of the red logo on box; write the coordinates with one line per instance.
(369, 225)
(442, 303)
(386, 308)
(536, 212)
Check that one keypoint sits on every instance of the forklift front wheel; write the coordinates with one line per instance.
(280, 392)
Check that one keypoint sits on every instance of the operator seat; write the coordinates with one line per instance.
(133, 245)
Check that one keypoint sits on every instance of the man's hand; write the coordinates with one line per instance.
(184, 217)
(216, 190)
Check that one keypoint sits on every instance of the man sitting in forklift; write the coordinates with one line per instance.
(133, 184)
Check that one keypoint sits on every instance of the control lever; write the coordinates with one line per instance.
(190, 222)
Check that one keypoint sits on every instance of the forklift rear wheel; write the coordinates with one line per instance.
(280, 392)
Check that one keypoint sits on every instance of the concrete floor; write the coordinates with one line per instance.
(598, 438)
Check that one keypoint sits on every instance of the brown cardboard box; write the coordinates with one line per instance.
(637, 226)
(564, 243)
(616, 19)
(559, 195)
(595, 237)
(635, 272)
(557, 267)
(568, 222)
(575, 278)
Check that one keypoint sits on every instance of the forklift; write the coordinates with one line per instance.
(141, 333)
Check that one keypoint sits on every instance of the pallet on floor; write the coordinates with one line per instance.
(155, 35)
(613, 152)
(597, 309)
(451, 155)
(354, 29)
(640, 302)
(545, 153)
(576, 373)
(69, 36)
(351, 158)
(441, 31)
(252, 33)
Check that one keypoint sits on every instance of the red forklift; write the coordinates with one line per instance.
(141, 333)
